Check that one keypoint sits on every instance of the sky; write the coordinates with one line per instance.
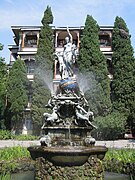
(65, 12)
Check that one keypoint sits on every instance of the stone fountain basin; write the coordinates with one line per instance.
(68, 155)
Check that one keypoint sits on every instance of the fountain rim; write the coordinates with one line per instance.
(67, 127)
(70, 149)
(67, 155)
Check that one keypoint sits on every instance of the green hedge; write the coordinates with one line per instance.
(120, 161)
(110, 127)
(10, 158)
(4, 135)
(11, 153)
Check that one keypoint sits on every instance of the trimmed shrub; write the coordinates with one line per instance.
(110, 127)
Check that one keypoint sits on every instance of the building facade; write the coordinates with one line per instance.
(26, 42)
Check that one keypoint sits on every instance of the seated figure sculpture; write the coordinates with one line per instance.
(51, 118)
(84, 118)
(65, 106)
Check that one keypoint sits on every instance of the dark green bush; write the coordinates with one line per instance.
(110, 127)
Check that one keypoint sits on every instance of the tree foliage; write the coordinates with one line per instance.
(123, 85)
(43, 71)
(17, 91)
(3, 73)
(110, 127)
(40, 98)
(44, 57)
(91, 59)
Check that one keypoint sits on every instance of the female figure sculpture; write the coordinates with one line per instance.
(69, 53)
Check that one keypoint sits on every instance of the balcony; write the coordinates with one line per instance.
(105, 42)
(105, 45)
(29, 105)
(110, 76)
(30, 77)
(30, 43)
(29, 48)
(105, 48)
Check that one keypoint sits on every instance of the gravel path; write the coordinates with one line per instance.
(11, 143)
(115, 144)
(118, 143)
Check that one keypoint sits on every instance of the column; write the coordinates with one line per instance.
(23, 37)
(78, 40)
(55, 63)
(37, 38)
(20, 40)
(10, 56)
(56, 36)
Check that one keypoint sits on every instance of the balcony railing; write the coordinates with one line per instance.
(30, 45)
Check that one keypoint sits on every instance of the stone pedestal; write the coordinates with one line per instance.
(91, 170)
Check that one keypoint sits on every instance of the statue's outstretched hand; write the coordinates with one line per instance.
(67, 29)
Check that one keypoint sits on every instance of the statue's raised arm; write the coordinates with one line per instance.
(70, 35)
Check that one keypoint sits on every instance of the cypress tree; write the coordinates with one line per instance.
(3, 73)
(43, 71)
(123, 85)
(17, 93)
(44, 57)
(92, 60)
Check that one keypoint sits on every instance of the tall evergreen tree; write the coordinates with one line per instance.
(17, 92)
(43, 71)
(91, 59)
(123, 85)
(3, 73)
(44, 57)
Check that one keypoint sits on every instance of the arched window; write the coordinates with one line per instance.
(61, 38)
(30, 40)
(30, 65)
(104, 39)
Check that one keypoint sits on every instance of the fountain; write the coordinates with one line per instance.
(67, 141)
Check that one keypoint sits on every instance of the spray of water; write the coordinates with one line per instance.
(46, 77)
(92, 90)
(86, 81)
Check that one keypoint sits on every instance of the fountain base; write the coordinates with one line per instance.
(67, 155)
(92, 169)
